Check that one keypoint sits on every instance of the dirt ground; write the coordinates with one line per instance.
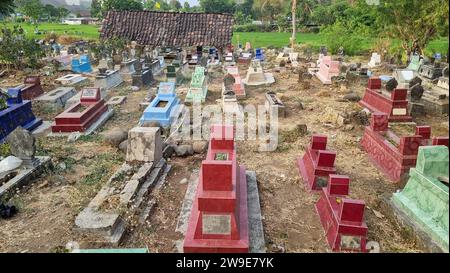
(47, 209)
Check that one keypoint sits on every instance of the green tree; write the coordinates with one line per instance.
(96, 8)
(270, 9)
(222, 6)
(175, 5)
(241, 19)
(186, 7)
(7, 7)
(246, 7)
(121, 5)
(50, 11)
(414, 22)
(17, 50)
(62, 13)
(31, 8)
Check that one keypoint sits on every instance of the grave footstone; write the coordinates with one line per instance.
(142, 77)
(317, 163)
(274, 104)
(375, 60)
(341, 217)
(415, 62)
(327, 70)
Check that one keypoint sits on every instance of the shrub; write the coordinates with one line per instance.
(254, 28)
(351, 36)
(17, 50)
(51, 36)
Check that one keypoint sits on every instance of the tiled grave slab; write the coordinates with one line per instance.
(424, 200)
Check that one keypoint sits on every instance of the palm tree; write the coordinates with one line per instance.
(294, 30)
(269, 6)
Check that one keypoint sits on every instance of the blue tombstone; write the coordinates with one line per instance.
(18, 113)
(161, 107)
(259, 55)
(81, 65)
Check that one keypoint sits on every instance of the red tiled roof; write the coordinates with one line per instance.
(169, 28)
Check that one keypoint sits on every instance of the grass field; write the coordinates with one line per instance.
(83, 31)
(257, 39)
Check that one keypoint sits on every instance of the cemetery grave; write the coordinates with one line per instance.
(81, 64)
(129, 186)
(164, 108)
(199, 86)
(256, 75)
(85, 116)
(393, 103)
(423, 202)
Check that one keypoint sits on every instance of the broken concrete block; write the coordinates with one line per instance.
(144, 144)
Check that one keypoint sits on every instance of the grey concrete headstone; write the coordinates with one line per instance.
(22, 144)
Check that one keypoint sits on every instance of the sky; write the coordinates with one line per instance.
(191, 2)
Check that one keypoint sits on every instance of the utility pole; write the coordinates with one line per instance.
(294, 30)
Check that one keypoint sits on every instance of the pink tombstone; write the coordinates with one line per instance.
(328, 69)
(238, 87)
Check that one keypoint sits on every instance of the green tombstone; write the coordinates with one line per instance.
(199, 87)
(424, 200)
(174, 74)
(415, 63)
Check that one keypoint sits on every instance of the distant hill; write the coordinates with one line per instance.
(74, 6)
(84, 6)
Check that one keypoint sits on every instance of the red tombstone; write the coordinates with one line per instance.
(219, 217)
(395, 106)
(31, 88)
(342, 218)
(317, 163)
(80, 116)
(393, 154)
